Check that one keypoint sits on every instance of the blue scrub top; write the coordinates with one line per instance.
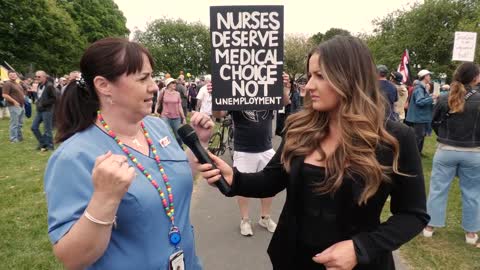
(140, 239)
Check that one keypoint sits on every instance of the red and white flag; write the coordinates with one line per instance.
(404, 67)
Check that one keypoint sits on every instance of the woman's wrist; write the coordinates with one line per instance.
(102, 207)
(98, 221)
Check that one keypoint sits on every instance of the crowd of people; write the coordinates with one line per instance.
(454, 113)
(345, 150)
(44, 92)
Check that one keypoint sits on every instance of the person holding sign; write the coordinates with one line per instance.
(339, 161)
(119, 187)
(252, 138)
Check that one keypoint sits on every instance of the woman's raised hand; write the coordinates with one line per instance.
(203, 126)
(112, 176)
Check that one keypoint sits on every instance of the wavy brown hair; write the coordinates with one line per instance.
(346, 63)
(462, 77)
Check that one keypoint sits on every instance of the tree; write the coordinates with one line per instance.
(320, 37)
(39, 33)
(177, 45)
(316, 39)
(334, 32)
(96, 19)
(427, 31)
(296, 50)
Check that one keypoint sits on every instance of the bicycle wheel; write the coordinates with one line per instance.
(215, 144)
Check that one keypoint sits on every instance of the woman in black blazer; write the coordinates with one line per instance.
(339, 161)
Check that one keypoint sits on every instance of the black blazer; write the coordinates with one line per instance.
(374, 241)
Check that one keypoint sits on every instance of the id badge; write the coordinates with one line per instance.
(176, 261)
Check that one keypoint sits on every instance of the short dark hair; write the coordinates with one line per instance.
(11, 71)
(109, 58)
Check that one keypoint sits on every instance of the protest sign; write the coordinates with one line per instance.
(247, 57)
(464, 46)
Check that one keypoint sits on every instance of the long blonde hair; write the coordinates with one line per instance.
(346, 63)
(464, 75)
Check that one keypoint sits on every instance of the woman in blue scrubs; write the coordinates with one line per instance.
(119, 186)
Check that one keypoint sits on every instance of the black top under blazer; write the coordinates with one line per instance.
(374, 241)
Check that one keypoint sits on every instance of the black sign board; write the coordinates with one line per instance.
(247, 57)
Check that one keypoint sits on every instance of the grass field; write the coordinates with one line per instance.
(447, 249)
(24, 243)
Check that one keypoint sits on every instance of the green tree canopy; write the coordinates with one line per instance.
(39, 33)
(320, 37)
(296, 49)
(427, 30)
(177, 45)
(334, 32)
(317, 38)
(96, 19)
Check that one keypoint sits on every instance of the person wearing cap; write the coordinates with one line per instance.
(402, 93)
(420, 107)
(389, 92)
(171, 104)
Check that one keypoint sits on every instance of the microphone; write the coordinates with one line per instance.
(190, 138)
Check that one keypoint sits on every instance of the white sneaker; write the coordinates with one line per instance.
(268, 223)
(246, 227)
(427, 233)
(471, 240)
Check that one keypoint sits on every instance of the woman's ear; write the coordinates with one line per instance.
(103, 86)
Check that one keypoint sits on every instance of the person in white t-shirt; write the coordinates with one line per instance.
(204, 97)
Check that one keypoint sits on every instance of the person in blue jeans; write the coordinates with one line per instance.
(420, 108)
(13, 94)
(456, 120)
(172, 110)
(45, 105)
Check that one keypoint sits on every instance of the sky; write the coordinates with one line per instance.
(301, 16)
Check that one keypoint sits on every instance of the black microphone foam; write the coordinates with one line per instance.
(190, 138)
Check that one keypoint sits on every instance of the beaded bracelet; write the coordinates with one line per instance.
(96, 221)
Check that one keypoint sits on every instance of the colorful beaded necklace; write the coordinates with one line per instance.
(174, 234)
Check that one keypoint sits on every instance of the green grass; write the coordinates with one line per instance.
(24, 243)
(446, 249)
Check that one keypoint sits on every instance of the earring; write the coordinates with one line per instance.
(110, 100)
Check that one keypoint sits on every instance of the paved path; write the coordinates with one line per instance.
(219, 243)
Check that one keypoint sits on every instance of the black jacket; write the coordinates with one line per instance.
(374, 241)
(458, 129)
(48, 98)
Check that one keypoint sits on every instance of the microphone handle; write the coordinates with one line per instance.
(203, 158)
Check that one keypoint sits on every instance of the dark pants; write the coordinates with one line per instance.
(44, 140)
(420, 132)
(193, 104)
